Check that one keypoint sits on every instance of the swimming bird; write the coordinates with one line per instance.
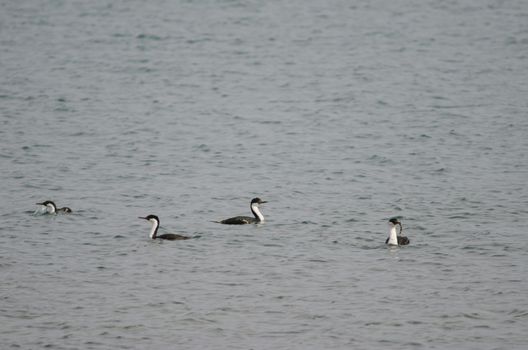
(394, 238)
(154, 230)
(51, 208)
(241, 220)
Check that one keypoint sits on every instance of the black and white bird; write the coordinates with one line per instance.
(394, 237)
(154, 230)
(242, 220)
(51, 208)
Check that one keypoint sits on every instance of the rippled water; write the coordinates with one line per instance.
(340, 114)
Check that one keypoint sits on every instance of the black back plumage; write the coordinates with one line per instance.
(172, 237)
(239, 220)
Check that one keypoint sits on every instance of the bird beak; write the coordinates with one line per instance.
(39, 203)
(140, 217)
(262, 202)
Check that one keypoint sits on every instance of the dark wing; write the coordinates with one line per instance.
(172, 237)
(238, 220)
(402, 240)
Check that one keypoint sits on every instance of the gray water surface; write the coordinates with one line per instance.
(341, 114)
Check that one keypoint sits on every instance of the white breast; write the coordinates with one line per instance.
(50, 208)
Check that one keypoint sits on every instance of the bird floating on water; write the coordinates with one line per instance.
(396, 238)
(51, 208)
(241, 220)
(154, 230)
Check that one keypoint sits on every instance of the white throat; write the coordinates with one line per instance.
(153, 229)
(255, 209)
(393, 235)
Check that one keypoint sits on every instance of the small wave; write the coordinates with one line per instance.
(516, 313)
(144, 36)
(307, 222)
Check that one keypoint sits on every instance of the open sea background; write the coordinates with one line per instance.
(341, 114)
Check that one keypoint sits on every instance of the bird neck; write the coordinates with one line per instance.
(393, 236)
(255, 210)
(154, 229)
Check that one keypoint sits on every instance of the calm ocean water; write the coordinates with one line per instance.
(339, 113)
